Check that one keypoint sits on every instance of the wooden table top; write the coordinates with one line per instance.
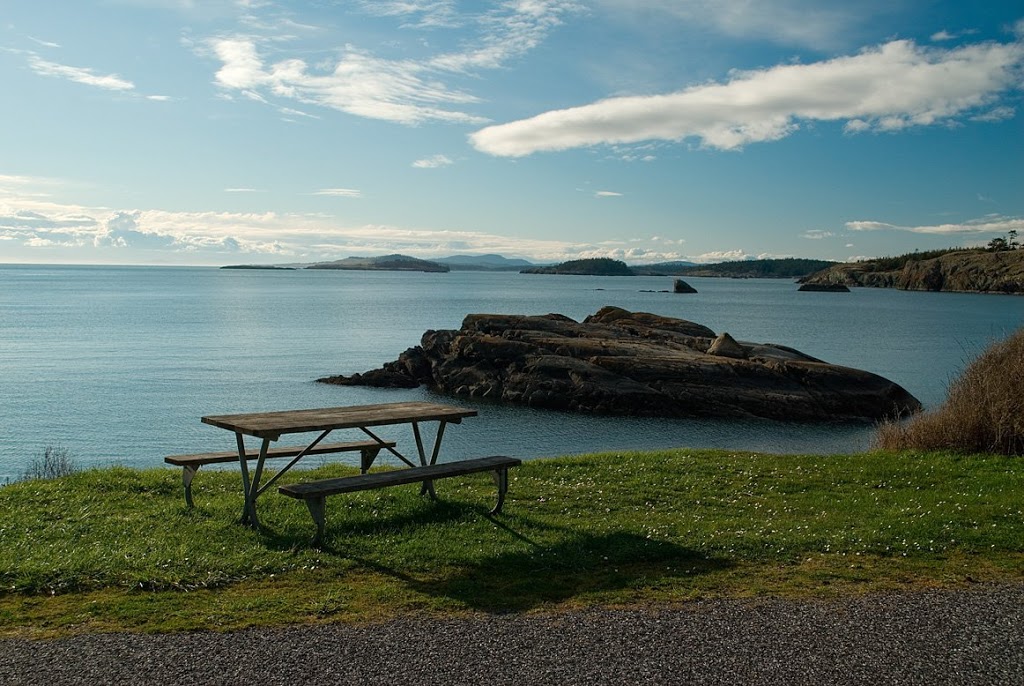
(272, 424)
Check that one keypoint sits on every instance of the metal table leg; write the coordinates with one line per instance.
(428, 486)
(250, 487)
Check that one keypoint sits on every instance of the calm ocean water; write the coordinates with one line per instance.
(117, 364)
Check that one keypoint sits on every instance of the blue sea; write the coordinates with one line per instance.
(117, 364)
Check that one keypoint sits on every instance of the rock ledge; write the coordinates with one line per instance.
(634, 363)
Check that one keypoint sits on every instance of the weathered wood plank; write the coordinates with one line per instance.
(362, 482)
(274, 424)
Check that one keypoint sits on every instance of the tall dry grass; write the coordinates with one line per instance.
(983, 412)
(55, 462)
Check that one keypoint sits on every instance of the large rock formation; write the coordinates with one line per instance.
(634, 363)
(968, 271)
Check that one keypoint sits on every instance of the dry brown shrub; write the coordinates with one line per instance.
(983, 412)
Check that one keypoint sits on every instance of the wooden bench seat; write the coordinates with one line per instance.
(190, 464)
(314, 493)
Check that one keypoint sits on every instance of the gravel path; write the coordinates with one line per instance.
(948, 637)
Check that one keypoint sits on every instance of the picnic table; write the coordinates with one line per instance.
(271, 426)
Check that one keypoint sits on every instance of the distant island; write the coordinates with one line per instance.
(663, 268)
(997, 268)
(976, 270)
(257, 266)
(598, 266)
(488, 263)
(784, 268)
(401, 263)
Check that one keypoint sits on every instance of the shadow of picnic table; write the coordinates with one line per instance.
(540, 573)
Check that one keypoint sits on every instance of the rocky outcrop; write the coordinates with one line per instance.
(824, 288)
(969, 271)
(680, 286)
(634, 363)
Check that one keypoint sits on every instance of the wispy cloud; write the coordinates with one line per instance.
(607, 194)
(891, 87)
(81, 75)
(433, 162)
(988, 224)
(25, 186)
(806, 23)
(418, 13)
(339, 192)
(817, 234)
(44, 43)
(405, 91)
(243, 190)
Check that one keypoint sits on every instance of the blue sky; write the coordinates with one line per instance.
(220, 131)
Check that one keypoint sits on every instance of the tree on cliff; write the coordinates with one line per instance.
(1007, 242)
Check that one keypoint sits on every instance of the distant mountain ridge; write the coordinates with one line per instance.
(490, 262)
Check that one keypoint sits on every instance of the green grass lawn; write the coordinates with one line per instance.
(116, 549)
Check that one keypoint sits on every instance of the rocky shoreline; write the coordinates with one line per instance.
(954, 272)
(618, 362)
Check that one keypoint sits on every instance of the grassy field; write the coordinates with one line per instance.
(116, 549)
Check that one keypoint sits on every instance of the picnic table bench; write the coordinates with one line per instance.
(314, 493)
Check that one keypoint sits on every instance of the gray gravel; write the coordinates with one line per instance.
(947, 637)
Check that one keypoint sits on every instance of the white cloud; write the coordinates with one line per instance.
(403, 91)
(891, 87)
(607, 194)
(243, 190)
(720, 256)
(29, 222)
(989, 224)
(159, 98)
(79, 75)
(339, 192)
(433, 162)
(243, 68)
